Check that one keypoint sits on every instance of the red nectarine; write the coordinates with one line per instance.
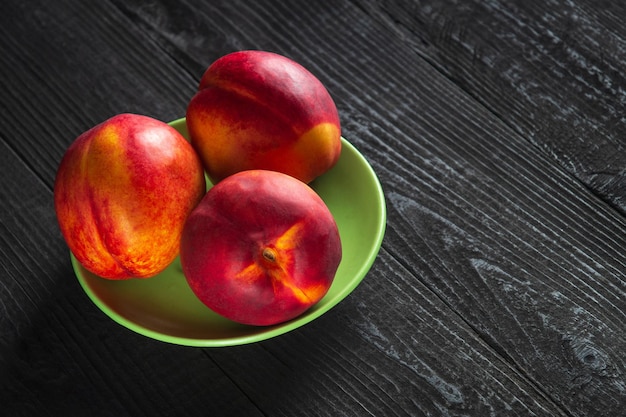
(261, 248)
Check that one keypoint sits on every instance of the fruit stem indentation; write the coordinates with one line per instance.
(269, 254)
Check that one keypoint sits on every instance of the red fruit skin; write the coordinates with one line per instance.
(260, 110)
(122, 193)
(243, 219)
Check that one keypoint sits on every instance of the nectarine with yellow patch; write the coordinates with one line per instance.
(261, 110)
(122, 193)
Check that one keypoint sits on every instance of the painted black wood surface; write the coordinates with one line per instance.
(497, 131)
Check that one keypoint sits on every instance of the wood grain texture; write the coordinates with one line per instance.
(553, 73)
(500, 288)
(58, 83)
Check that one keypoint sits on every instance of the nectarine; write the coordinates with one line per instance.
(261, 248)
(122, 193)
(260, 110)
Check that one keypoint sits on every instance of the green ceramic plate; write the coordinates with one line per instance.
(164, 308)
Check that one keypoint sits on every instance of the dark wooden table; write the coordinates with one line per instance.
(498, 132)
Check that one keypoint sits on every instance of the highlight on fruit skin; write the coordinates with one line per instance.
(122, 193)
(261, 110)
(261, 248)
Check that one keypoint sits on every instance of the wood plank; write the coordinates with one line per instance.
(527, 256)
(57, 84)
(553, 73)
